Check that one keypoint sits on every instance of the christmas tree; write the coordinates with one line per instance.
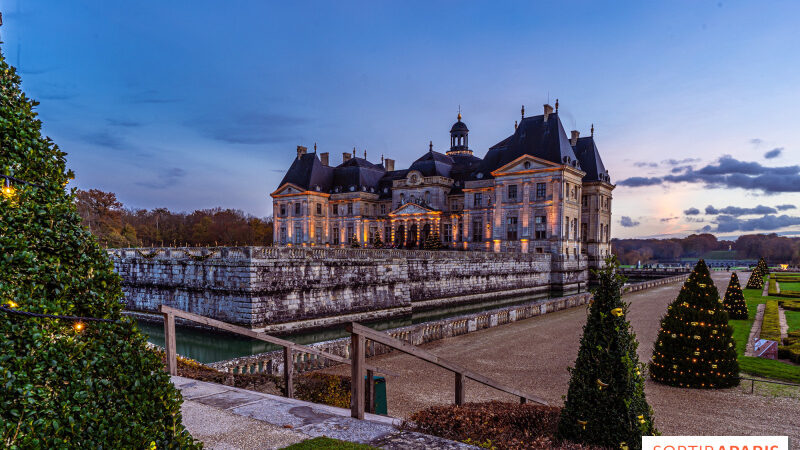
(354, 243)
(66, 382)
(694, 347)
(606, 404)
(377, 243)
(734, 299)
(432, 242)
(756, 280)
(762, 265)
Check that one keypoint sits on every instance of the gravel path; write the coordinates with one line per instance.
(534, 354)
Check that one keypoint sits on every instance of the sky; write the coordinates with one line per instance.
(199, 104)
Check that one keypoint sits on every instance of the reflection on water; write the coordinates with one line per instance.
(209, 346)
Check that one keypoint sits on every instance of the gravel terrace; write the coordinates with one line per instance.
(534, 354)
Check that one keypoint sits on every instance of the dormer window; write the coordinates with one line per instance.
(527, 164)
(479, 175)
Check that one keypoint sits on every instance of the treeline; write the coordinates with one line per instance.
(774, 248)
(116, 226)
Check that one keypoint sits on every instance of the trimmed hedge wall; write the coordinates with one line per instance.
(770, 326)
(791, 350)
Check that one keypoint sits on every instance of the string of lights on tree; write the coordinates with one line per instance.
(9, 192)
(694, 347)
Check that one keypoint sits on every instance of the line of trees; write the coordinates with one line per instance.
(116, 226)
(773, 248)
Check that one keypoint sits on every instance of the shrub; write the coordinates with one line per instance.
(770, 325)
(773, 287)
(323, 388)
(791, 305)
(97, 386)
(695, 347)
(606, 403)
(734, 299)
(494, 424)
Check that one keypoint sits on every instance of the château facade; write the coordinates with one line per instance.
(536, 191)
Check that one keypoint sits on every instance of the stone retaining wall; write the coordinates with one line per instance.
(262, 287)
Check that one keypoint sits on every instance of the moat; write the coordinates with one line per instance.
(208, 346)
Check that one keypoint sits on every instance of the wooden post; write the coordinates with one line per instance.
(288, 369)
(370, 391)
(459, 388)
(169, 343)
(357, 378)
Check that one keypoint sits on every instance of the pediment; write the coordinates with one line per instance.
(410, 208)
(287, 188)
(524, 164)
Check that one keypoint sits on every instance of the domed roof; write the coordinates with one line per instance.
(459, 126)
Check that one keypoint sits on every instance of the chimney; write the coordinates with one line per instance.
(389, 164)
(547, 111)
(324, 158)
(346, 156)
(301, 151)
(574, 139)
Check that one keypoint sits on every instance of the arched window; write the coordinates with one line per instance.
(427, 197)
(402, 198)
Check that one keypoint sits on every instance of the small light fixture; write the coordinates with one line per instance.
(78, 326)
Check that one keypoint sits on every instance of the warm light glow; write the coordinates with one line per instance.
(78, 326)
(8, 191)
(12, 304)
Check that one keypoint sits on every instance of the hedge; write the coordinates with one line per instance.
(791, 349)
(791, 305)
(770, 326)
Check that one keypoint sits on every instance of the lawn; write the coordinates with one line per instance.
(790, 286)
(760, 366)
(327, 443)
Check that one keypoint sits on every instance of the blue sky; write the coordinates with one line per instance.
(196, 104)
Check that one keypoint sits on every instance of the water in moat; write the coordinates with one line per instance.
(208, 346)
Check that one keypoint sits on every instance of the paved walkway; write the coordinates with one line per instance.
(533, 355)
(225, 417)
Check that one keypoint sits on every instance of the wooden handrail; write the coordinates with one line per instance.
(171, 313)
(360, 333)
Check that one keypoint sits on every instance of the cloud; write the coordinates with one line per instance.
(692, 212)
(727, 223)
(105, 139)
(695, 219)
(645, 164)
(640, 181)
(774, 153)
(123, 123)
(676, 162)
(668, 219)
(731, 173)
(252, 128)
(756, 141)
(166, 178)
(737, 211)
(679, 169)
(627, 222)
(785, 207)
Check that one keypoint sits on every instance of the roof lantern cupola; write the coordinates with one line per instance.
(459, 138)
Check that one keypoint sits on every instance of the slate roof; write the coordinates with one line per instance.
(535, 137)
(459, 126)
(308, 172)
(591, 163)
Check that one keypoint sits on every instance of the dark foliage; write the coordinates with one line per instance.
(606, 403)
(779, 249)
(494, 424)
(694, 347)
(734, 300)
(756, 280)
(115, 226)
(62, 387)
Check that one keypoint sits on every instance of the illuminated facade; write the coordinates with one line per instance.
(535, 191)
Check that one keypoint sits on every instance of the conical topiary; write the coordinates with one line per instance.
(756, 280)
(694, 347)
(377, 243)
(762, 265)
(733, 301)
(606, 404)
(66, 383)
